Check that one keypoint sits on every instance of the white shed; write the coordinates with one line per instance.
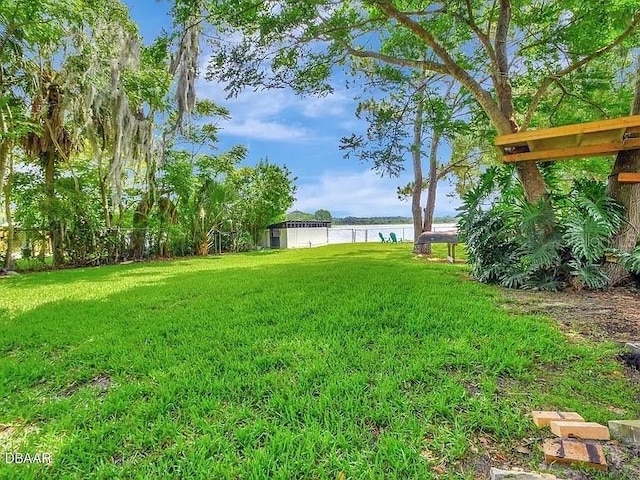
(297, 234)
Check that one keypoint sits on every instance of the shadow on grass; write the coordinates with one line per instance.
(96, 273)
(347, 359)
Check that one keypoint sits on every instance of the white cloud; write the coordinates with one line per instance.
(256, 114)
(259, 103)
(333, 105)
(352, 125)
(362, 194)
(265, 130)
(352, 193)
(270, 114)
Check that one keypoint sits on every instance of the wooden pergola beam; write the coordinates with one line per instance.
(629, 177)
(631, 123)
(575, 152)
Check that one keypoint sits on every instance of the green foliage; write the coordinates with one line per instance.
(121, 191)
(197, 195)
(85, 238)
(296, 44)
(296, 364)
(213, 194)
(520, 245)
(631, 260)
(298, 215)
(265, 193)
(322, 215)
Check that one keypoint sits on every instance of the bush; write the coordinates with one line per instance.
(560, 241)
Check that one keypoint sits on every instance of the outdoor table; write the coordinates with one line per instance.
(450, 237)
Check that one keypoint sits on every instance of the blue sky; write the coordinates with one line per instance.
(303, 134)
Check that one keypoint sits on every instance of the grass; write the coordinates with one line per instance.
(295, 364)
(33, 264)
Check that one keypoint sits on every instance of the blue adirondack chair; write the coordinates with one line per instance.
(382, 239)
(393, 238)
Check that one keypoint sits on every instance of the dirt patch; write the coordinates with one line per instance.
(486, 452)
(623, 459)
(102, 383)
(526, 454)
(608, 315)
(612, 315)
(13, 436)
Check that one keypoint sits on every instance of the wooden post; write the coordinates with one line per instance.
(629, 177)
(451, 252)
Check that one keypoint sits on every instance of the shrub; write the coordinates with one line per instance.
(560, 241)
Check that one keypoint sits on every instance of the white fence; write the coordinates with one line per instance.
(370, 233)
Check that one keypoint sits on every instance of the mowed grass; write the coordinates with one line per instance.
(291, 364)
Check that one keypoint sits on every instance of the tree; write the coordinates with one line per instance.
(52, 145)
(415, 111)
(627, 195)
(265, 193)
(91, 86)
(28, 29)
(25, 28)
(322, 215)
(196, 184)
(297, 215)
(70, 66)
(486, 46)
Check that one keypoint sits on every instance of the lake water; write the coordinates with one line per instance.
(369, 233)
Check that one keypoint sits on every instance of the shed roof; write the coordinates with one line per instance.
(300, 224)
(603, 137)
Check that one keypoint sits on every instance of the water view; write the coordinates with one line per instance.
(370, 233)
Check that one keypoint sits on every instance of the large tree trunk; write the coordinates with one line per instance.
(8, 259)
(53, 224)
(533, 184)
(627, 195)
(535, 188)
(416, 154)
(432, 188)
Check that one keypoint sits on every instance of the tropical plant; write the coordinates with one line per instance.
(547, 245)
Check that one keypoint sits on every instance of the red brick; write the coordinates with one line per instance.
(572, 451)
(543, 418)
(584, 430)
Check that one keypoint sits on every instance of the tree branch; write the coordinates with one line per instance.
(401, 62)
(490, 20)
(449, 168)
(578, 97)
(548, 81)
(482, 36)
(483, 97)
(501, 75)
(502, 31)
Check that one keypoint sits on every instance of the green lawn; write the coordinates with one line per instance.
(295, 364)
